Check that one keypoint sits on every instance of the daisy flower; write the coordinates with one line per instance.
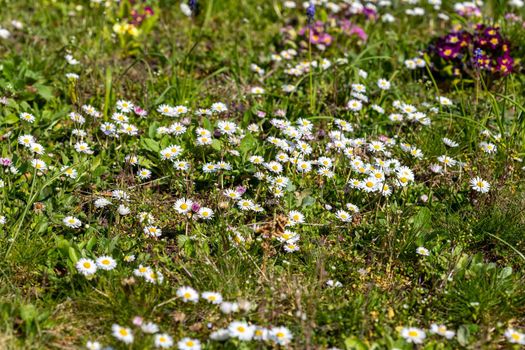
(232, 194)
(229, 307)
(442, 330)
(219, 107)
(28, 117)
(257, 90)
(124, 106)
(188, 344)
(83, 147)
(144, 174)
(36, 148)
(261, 333)
(220, 334)
(165, 110)
(101, 202)
(171, 152)
(179, 110)
(449, 142)
(241, 330)
(205, 213)
(212, 297)
(155, 277)
(369, 185)
(514, 336)
(72, 222)
(344, 216)
(149, 328)
(183, 205)
(141, 271)
(295, 217)
(188, 294)
(479, 185)
(245, 204)
(93, 345)
(106, 263)
(26, 140)
(163, 341)
(38, 164)
(226, 127)
(69, 172)
(488, 147)
(413, 335)
(354, 105)
(123, 334)
(422, 251)
(383, 84)
(152, 231)
(290, 247)
(280, 335)
(86, 267)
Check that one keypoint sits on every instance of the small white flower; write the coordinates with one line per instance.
(123, 334)
(106, 263)
(442, 330)
(189, 344)
(163, 341)
(72, 222)
(86, 267)
(479, 185)
(188, 294)
(422, 251)
(413, 335)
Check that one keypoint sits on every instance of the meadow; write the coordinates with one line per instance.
(262, 174)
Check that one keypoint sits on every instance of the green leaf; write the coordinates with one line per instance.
(207, 124)
(150, 145)
(422, 221)
(308, 201)
(216, 144)
(91, 243)
(11, 119)
(248, 143)
(353, 343)
(152, 130)
(463, 335)
(73, 255)
(44, 91)
(28, 312)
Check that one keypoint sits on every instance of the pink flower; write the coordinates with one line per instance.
(6, 161)
(140, 112)
(137, 320)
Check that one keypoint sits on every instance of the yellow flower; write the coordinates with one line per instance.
(133, 31)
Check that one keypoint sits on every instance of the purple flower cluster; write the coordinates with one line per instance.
(322, 33)
(483, 49)
(138, 16)
(6, 161)
(318, 34)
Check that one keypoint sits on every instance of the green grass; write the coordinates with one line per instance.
(471, 280)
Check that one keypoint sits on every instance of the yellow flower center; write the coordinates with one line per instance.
(412, 334)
